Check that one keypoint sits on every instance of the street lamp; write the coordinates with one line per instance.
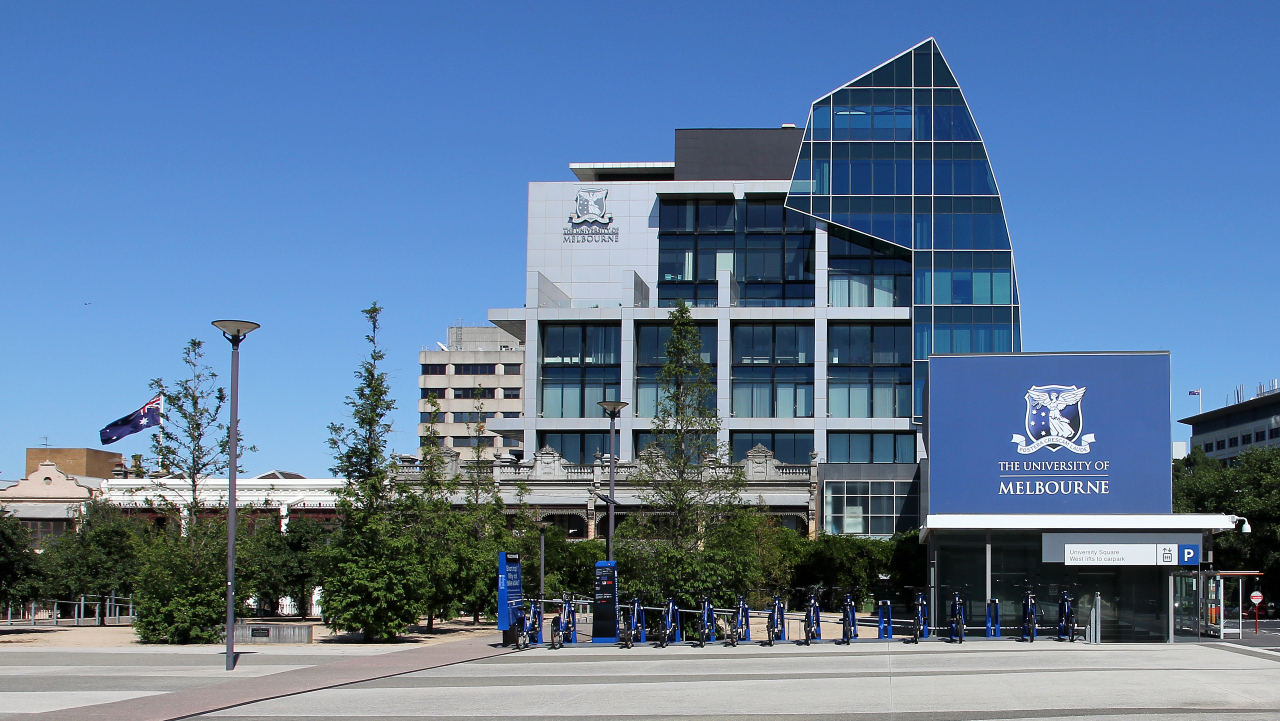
(613, 409)
(234, 331)
(1246, 528)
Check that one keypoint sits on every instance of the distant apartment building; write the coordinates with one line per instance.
(1227, 432)
(477, 377)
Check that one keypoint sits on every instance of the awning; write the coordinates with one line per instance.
(41, 511)
(1078, 522)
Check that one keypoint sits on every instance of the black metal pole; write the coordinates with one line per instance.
(613, 470)
(231, 501)
(542, 569)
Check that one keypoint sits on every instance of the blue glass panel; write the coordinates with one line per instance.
(961, 338)
(1000, 338)
(941, 337)
(924, 286)
(962, 127)
(883, 177)
(942, 177)
(961, 287)
(942, 230)
(984, 183)
(902, 119)
(839, 176)
(924, 123)
(860, 117)
(922, 344)
(1000, 281)
(882, 225)
(822, 121)
(963, 230)
(903, 182)
(924, 68)
(924, 177)
(882, 124)
(982, 231)
(924, 238)
(860, 177)
(821, 176)
(999, 232)
(942, 122)
(902, 229)
(942, 77)
(981, 287)
(982, 338)
(905, 448)
(963, 173)
(860, 221)
(942, 285)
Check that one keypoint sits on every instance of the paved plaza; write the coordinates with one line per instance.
(473, 678)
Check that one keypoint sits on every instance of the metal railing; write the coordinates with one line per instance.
(84, 611)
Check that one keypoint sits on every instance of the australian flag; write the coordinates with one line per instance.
(140, 420)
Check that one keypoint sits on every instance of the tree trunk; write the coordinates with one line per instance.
(431, 622)
(475, 618)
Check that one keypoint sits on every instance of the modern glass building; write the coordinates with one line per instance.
(825, 265)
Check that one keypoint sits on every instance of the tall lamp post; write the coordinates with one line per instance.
(542, 564)
(613, 409)
(234, 331)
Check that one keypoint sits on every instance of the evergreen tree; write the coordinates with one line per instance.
(374, 582)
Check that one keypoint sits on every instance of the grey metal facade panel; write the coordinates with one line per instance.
(868, 471)
(737, 153)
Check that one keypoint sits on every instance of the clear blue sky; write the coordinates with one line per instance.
(166, 164)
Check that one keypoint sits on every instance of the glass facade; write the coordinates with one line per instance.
(581, 366)
(894, 164)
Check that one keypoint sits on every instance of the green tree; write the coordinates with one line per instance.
(19, 569)
(481, 530)
(1249, 488)
(98, 558)
(439, 531)
(374, 582)
(180, 589)
(694, 533)
(192, 442)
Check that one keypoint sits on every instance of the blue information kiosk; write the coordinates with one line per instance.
(604, 608)
(510, 596)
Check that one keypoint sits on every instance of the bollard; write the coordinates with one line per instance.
(886, 619)
(993, 618)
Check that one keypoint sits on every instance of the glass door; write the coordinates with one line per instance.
(1186, 607)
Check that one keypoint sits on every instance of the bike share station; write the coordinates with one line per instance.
(1047, 492)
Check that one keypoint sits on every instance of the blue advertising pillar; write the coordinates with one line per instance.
(510, 596)
(604, 608)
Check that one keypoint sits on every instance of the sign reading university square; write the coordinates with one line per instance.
(591, 222)
(1049, 433)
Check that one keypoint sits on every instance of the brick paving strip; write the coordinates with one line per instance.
(218, 696)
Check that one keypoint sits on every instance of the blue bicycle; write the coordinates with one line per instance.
(920, 618)
(1067, 615)
(812, 618)
(848, 617)
(670, 631)
(739, 625)
(776, 622)
(706, 622)
(532, 629)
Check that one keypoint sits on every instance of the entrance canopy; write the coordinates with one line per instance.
(1078, 522)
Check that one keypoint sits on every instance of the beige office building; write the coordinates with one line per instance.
(477, 377)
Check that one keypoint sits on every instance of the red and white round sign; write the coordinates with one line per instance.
(1256, 597)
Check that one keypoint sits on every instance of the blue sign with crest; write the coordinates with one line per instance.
(1009, 433)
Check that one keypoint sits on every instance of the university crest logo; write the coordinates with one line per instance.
(1054, 420)
(589, 207)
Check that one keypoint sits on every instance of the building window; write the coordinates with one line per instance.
(773, 371)
(576, 447)
(972, 278)
(1222, 445)
(472, 417)
(651, 346)
(580, 368)
(791, 448)
(871, 447)
(768, 249)
(972, 330)
(436, 393)
(39, 531)
(430, 417)
(510, 443)
(1208, 447)
(473, 393)
(869, 371)
(511, 369)
(510, 414)
(1246, 439)
(508, 393)
(1260, 436)
(859, 277)
(877, 508)
(473, 369)
(1274, 433)
(472, 441)
(433, 369)
(1233, 441)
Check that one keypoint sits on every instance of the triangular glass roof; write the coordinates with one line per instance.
(887, 151)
